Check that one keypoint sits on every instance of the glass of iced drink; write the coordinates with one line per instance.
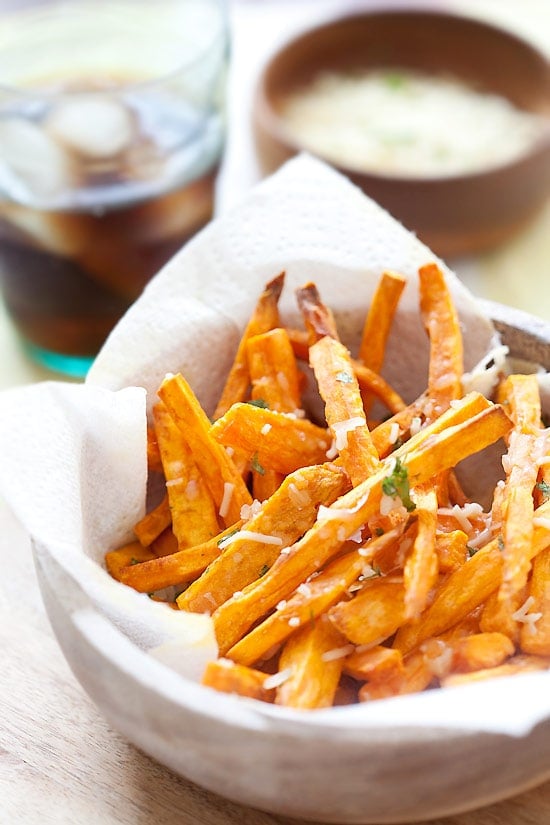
(111, 131)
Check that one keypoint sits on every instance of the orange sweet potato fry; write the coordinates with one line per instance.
(517, 664)
(228, 677)
(353, 510)
(282, 519)
(194, 516)
(373, 385)
(519, 394)
(318, 318)
(421, 567)
(443, 328)
(264, 318)
(165, 544)
(344, 412)
(535, 633)
(153, 453)
(273, 371)
(130, 554)
(377, 664)
(312, 657)
(152, 525)
(299, 340)
(451, 549)
(466, 589)
(417, 676)
(177, 568)
(310, 600)
(373, 614)
(378, 324)
(270, 439)
(498, 615)
(480, 651)
(222, 478)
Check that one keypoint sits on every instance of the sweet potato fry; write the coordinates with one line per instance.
(520, 396)
(165, 544)
(378, 324)
(223, 480)
(535, 625)
(273, 371)
(498, 615)
(443, 328)
(517, 664)
(264, 318)
(480, 651)
(318, 318)
(130, 554)
(466, 588)
(228, 677)
(377, 664)
(194, 517)
(349, 513)
(373, 615)
(153, 453)
(421, 567)
(176, 568)
(283, 518)
(270, 439)
(372, 384)
(299, 341)
(417, 676)
(152, 525)
(451, 549)
(312, 656)
(331, 363)
(310, 600)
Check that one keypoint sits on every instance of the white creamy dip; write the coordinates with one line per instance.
(401, 122)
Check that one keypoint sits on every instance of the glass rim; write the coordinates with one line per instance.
(221, 32)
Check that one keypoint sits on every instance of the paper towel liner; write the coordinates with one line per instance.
(74, 465)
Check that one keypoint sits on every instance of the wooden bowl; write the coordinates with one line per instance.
(451, 214)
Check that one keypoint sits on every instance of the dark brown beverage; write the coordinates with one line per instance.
(66, 300)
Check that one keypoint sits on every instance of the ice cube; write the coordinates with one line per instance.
(32, 162)
(95, 126)
(60, 233)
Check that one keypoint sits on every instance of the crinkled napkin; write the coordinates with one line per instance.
(73, 457)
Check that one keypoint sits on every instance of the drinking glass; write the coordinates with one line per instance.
(111, 132)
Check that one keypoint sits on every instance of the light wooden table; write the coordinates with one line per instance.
(60, 762)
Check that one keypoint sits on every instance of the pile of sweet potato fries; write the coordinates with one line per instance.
(343, 562)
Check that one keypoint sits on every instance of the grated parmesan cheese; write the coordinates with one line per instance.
(265, 429)
(278, 679)
(416, 425)
(294, 621)
(228, 488)
(523, 616)
(342, 428)
(248, 511)
(394, 433)
(337, 653)
(252, 536)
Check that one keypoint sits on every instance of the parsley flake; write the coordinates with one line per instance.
(256, 466)
(471, 550)
(258, 402)
(396, 485)
(379, 531)
(344, 377)
(134, 560)
(263, 571)
(500, 542)
(544, 487)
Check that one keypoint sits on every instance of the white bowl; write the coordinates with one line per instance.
(345, 765)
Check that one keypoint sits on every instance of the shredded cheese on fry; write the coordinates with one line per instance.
(278, 679)
(252, 536)
(523, 616)
(394, 433)
(337, 653)
(342, 428)
(226, 498)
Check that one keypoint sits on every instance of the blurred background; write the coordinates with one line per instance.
(515, 271)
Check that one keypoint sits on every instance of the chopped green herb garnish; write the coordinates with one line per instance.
(376, 572)
(134, 561)
(259, 402)
(500, 542)
(227, 536)
(344, 377)
(256, 466)
(471, 550)
(263, 571)
(396, 485)
(544, 487)
(379, 531)
(395, 80)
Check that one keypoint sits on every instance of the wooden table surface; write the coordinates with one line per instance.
(62, 764)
